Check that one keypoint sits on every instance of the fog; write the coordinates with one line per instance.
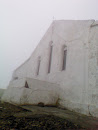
(24, 22)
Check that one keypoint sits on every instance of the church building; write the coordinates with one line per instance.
(62, 70)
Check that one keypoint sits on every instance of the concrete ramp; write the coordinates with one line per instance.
(31, 91)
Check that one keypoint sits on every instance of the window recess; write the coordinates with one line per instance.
(64, 57)
(50, 56)
(38, 67)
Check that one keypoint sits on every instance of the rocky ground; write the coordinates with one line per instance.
(16, 118)
(37, 118)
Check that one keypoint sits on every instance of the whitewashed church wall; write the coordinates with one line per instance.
(74, 79)
(21, 71)
(73, 76)
(93, 66)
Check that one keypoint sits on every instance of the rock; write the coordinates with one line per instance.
(41, 104)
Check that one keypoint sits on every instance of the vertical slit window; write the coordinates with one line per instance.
(50, 57)
(64, 58)
(39, 60)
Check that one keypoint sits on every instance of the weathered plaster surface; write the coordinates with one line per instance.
(38, 91)
(93, 69)
(79, 82)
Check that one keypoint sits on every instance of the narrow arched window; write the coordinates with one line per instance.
(38, 67)
(64, 57)
(50, 56)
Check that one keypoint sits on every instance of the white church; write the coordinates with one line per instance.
(62, 70)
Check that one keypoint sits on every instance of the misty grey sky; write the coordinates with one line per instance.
(24, 22)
